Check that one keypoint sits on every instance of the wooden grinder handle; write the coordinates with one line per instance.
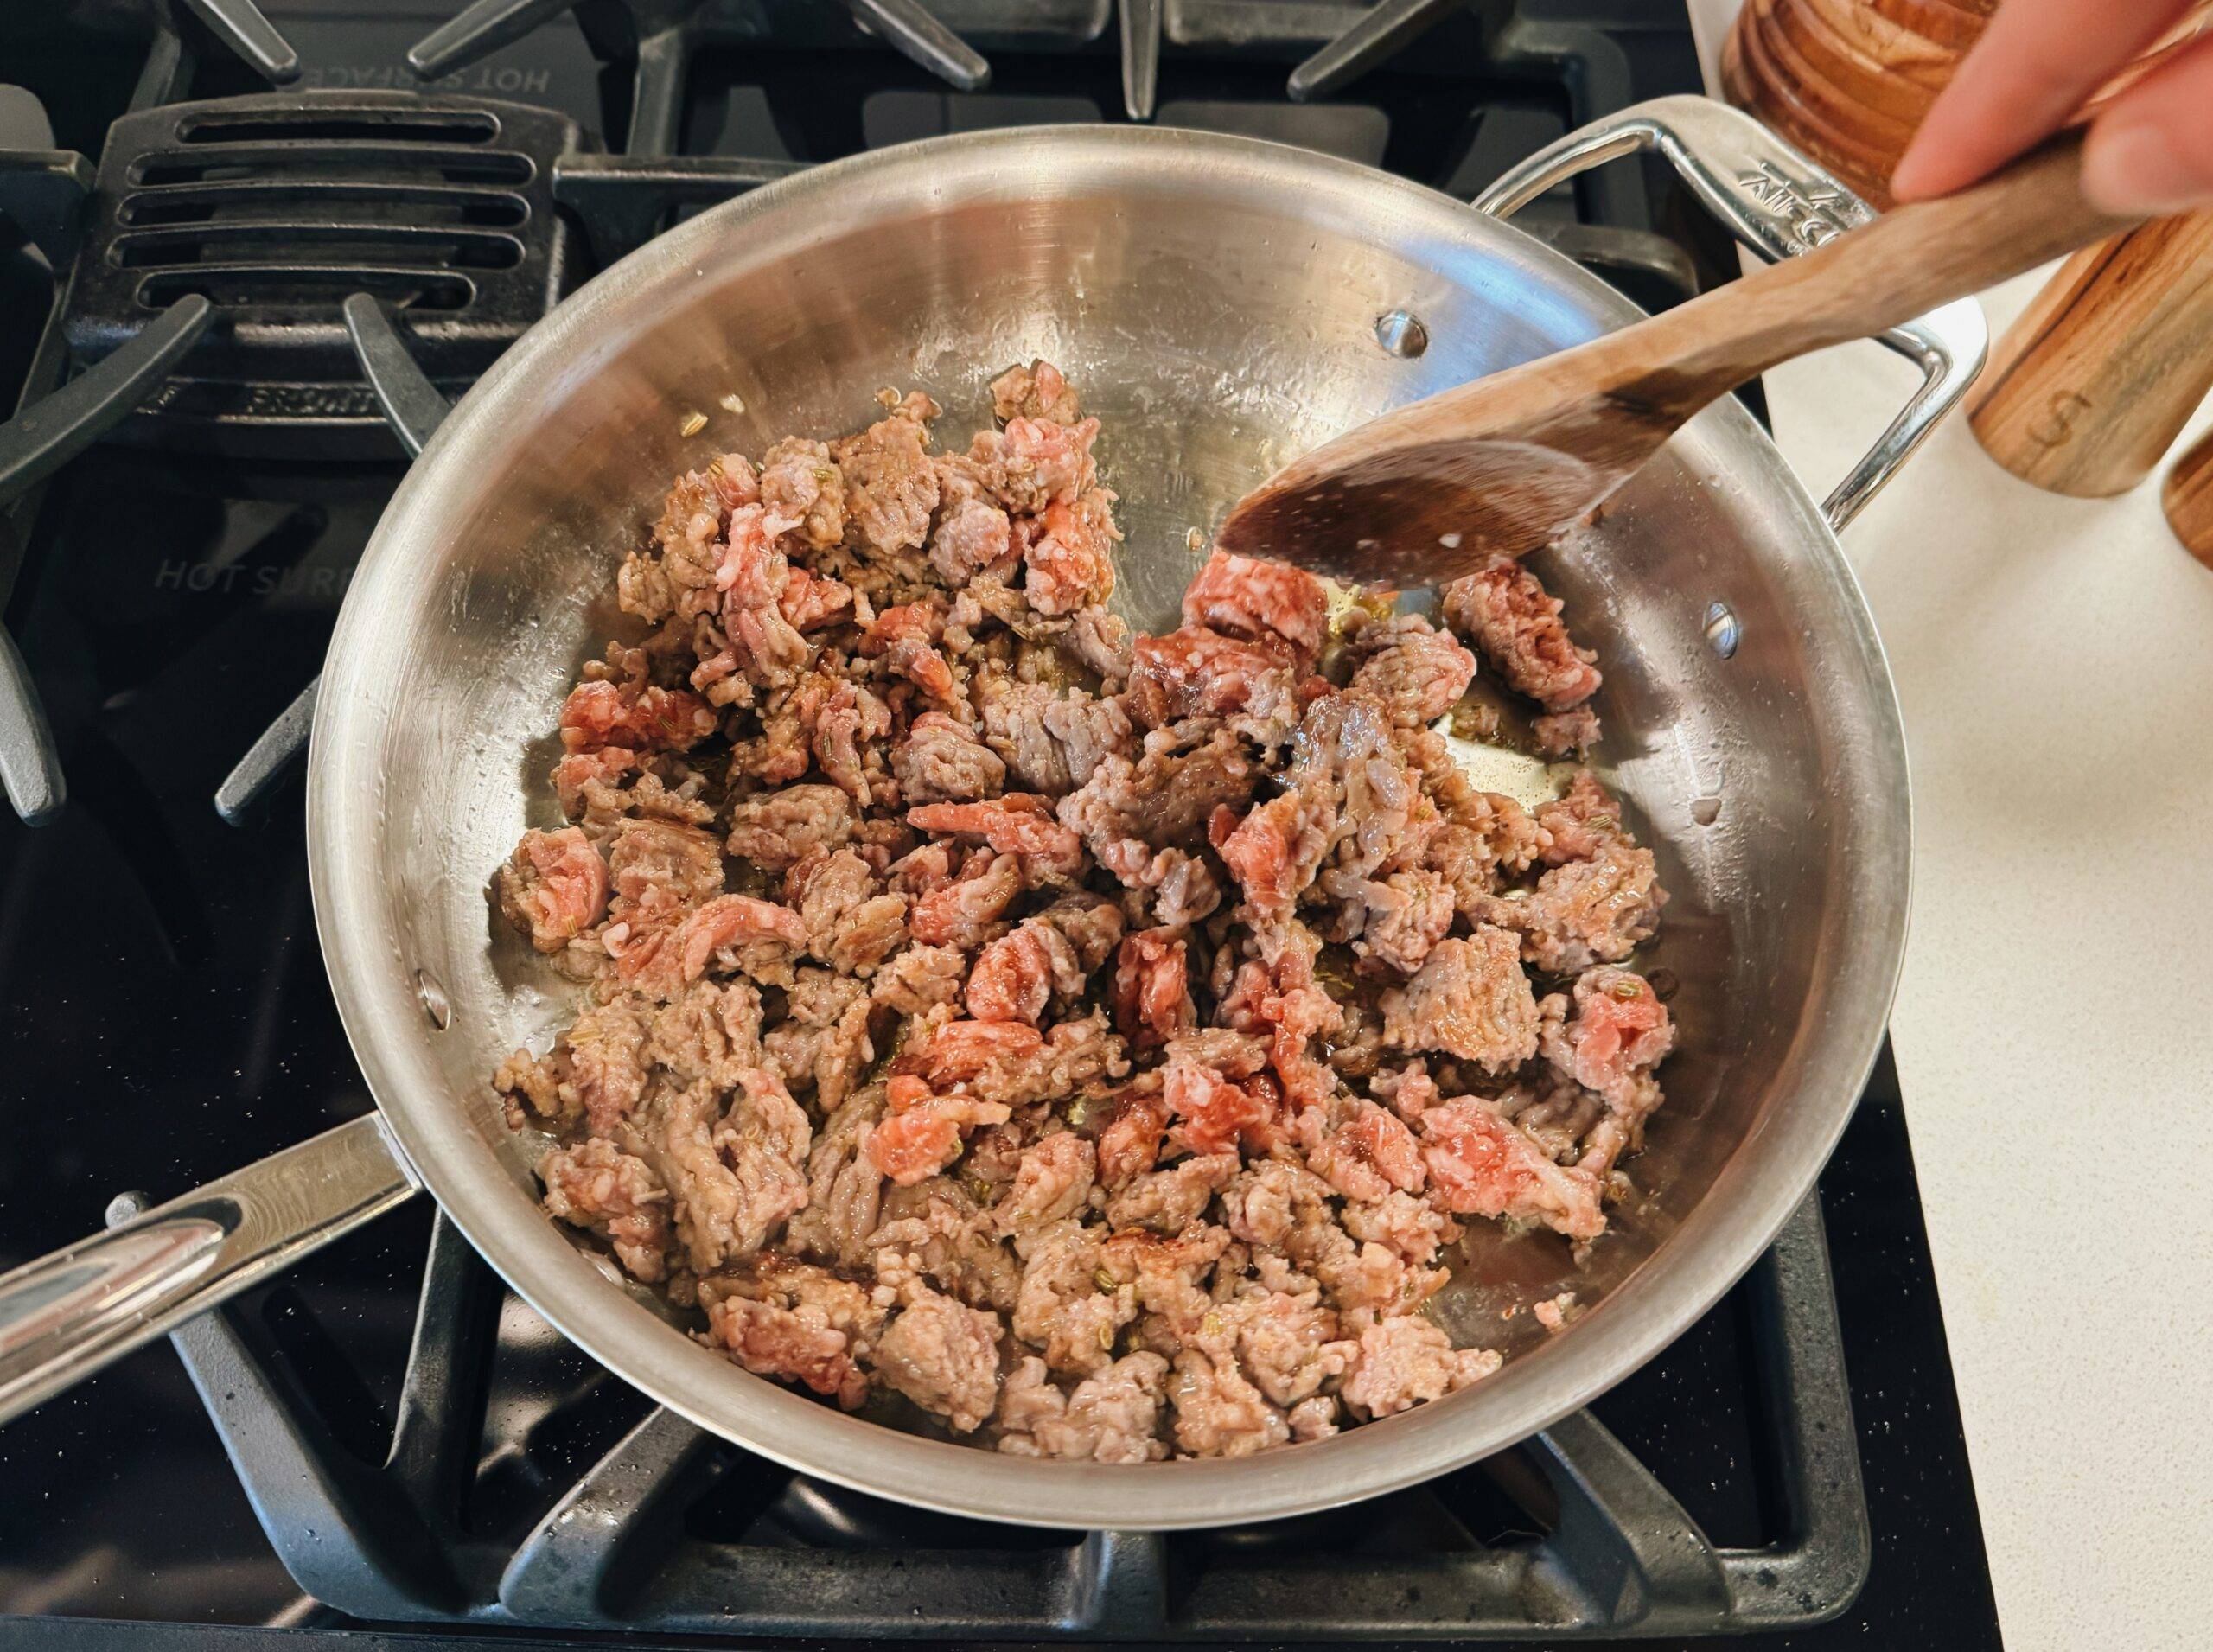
(2093, 382)
(2188, 497)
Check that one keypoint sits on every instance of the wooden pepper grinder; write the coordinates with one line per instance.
(2092, 382)
(2188, 497)
(1848, 81)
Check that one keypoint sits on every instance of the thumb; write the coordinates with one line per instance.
(2150, 151)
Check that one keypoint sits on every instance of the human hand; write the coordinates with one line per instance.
(2150, 150)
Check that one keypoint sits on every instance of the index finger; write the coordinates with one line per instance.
(2034, 67)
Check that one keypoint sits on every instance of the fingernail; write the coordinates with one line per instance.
(2135, 168)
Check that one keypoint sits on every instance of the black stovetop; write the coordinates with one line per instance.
(164, 1018)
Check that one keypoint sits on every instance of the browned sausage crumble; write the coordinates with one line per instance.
(1095, 1042)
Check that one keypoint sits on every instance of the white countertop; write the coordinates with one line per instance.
(2054, 658)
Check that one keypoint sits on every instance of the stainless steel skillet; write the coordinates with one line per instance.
(1217, 300)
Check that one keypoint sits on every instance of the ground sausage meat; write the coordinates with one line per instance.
(1516, 625)
(1417, 671)
(1470, 1000)
(554, 887)
(1080, 1044)
(944, 1357)
(1262, 600)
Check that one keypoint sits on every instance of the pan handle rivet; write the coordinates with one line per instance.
(1723, 631)
(127, 1207)
(1401, 333)
(436, 1004)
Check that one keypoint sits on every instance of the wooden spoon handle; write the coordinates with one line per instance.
(1905, 263)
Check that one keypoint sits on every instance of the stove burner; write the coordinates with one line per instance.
(582, 1507)
(274, 209)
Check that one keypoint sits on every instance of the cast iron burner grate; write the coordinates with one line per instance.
(276, 207)
(474, 1513)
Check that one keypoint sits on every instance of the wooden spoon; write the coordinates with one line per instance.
(1434, 489)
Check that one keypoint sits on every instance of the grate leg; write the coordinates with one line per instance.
(1118, 1585)
(570, 1569)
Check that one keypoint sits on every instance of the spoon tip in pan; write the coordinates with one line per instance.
(1417, 515)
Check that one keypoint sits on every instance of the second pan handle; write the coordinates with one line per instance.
(1777, 202)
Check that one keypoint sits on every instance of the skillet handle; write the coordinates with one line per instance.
(1777, 203)
(68, 1315)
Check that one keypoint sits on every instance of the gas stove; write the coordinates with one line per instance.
(279, 246)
